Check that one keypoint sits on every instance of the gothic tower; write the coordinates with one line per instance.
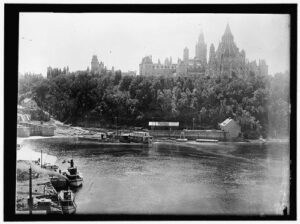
(186, 55)
(227, 55)
(212, 63)
(212, 54)
(95, 64)
(201, 50)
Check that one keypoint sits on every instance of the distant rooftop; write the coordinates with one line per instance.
(224, 123)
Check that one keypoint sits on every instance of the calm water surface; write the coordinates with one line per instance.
(175, 179)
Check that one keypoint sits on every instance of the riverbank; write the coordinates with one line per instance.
(40, 177)
(79, 140)
(63, 131)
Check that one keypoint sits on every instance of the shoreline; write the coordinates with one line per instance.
(75, 139)
(67, 133)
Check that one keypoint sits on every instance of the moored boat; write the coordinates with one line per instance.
(74, 179)
(66, 199)
(49, 166)
(140, 137)
(124, 138)
(59, 182)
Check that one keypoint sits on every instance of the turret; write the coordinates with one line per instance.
(212, 54)
(201, 37)
(94, 64)
(201, 49)
(186, 55)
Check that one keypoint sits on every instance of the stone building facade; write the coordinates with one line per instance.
(201, 50)
(226, 61)
(148, 68)
(96, 66)
(229, 60)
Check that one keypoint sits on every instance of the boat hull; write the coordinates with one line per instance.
(76, 182)
(68, 209)
(66, 199)
(59, 183)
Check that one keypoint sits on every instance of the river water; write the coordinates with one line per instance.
(171, 178)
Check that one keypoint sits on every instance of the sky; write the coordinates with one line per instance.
(123, 39)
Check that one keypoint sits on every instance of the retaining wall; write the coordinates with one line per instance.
(39, 130)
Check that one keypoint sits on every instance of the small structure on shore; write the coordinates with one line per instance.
(231, 128)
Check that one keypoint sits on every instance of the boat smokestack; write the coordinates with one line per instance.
(30, 199)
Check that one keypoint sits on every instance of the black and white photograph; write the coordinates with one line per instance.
(153, 113)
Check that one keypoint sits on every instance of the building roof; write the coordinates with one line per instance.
(227, 121)
(163, 123)
(27, 100)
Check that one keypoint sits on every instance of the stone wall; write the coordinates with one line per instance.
(47, 131)
(39, 130)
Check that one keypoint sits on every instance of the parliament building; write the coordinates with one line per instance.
(225, 61)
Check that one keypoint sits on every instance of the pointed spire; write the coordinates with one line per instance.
(227, 30)
(227, 36)
(201, 37)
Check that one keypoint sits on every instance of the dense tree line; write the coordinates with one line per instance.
(259, 103)
(26, 83)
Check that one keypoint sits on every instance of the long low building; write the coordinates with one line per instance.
(230, 131)
(205, 134)
(190, 134)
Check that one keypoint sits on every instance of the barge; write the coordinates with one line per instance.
(136, 137)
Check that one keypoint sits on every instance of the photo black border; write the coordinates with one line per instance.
(11, 41)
